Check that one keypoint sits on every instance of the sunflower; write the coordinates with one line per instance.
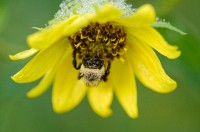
(97, 49)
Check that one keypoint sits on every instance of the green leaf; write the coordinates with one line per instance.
(162, 24)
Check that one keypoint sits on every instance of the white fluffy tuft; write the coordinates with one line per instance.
(71, 7)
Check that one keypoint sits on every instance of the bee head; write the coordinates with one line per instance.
(93, 62)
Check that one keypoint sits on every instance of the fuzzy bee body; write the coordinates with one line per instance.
(92, 76)
(92, 70)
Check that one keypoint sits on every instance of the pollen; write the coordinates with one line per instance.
(99, 40)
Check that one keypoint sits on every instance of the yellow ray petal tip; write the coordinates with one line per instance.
(12, 57)
(133, 114)
(104, 113)
(175, 55)
(33, 93)
(30, 95)
(24, 54)
(147, 7)
(132, 110)
(170, 86)
(59, 107)
(14, 78)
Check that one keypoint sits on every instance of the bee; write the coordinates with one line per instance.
(92, 70)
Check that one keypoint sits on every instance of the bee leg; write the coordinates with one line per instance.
(75, 65)
(75, 62)
(80, 76)
(107, 71)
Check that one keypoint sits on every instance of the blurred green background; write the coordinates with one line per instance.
(178, 111)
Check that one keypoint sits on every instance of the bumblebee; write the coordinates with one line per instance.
(92, 69)
(96, 46)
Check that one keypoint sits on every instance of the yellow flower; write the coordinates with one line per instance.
(97, 54)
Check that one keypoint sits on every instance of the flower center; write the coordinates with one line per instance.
(105, 41)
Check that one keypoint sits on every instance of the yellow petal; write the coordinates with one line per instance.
(41, 63)
(42, 86)
(144, 16)
(48, 36)
(148, 68)
(47, 79)
(125, 87)
(24, 54)
(68, 91)
(151, 37)
(107, 13)
(100, 98)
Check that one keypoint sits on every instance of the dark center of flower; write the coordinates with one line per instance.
(99, 40)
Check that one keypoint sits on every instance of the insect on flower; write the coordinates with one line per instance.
(97, 48)
(97, 45)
